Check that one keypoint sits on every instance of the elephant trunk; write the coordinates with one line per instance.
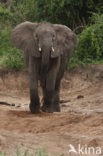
(45, 57)
(45, 62)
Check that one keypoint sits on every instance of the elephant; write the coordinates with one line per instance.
(47, 48)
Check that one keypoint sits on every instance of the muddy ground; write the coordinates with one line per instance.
(79, 122)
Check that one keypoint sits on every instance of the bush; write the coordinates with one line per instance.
(24, 10)
(5, 40)
(20, 11)
(90, 43)
(9, 56)
(68, 12)
(5, 16)
(13, 59)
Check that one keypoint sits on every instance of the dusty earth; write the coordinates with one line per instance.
(79, 122)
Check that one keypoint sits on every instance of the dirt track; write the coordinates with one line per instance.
(80, 120)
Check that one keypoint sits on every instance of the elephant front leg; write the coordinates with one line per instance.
(50, 93)
(51, 101)
(34, 101)
(56, 102)
(34, 97)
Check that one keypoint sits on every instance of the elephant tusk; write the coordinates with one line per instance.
(39, 49)
(53, 49)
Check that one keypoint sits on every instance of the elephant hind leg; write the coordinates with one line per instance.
(51, 99)
(47, 101)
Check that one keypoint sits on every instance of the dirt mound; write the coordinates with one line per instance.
(80, 120)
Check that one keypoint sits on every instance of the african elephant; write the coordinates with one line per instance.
(47, 49)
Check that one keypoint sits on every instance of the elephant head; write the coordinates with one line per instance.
(43, 40)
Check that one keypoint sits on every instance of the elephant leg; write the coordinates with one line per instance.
(47, 101)
(33, 78)
(49, 87)
(56, 101)
(51, 99)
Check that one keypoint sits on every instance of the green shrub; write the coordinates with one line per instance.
(9, 56)
(5, 16)
(96, 18)
(13, 59)
(69, 12)
(24, 10)
(4, 40)
(90, 43)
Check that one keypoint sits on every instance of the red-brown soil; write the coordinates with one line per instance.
(79, 122)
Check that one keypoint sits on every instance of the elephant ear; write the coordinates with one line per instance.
(22, 38)
(65, 40)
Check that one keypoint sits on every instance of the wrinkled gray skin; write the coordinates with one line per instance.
(47, 49)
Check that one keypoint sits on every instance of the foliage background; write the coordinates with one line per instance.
(85, 17)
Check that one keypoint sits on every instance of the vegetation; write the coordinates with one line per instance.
(27, 153)
(69, 12)
(77, 14)
(90, 43)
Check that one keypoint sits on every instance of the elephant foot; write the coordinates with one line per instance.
(34, 108)
(57, 109)
(46, 109)
(50, 109)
